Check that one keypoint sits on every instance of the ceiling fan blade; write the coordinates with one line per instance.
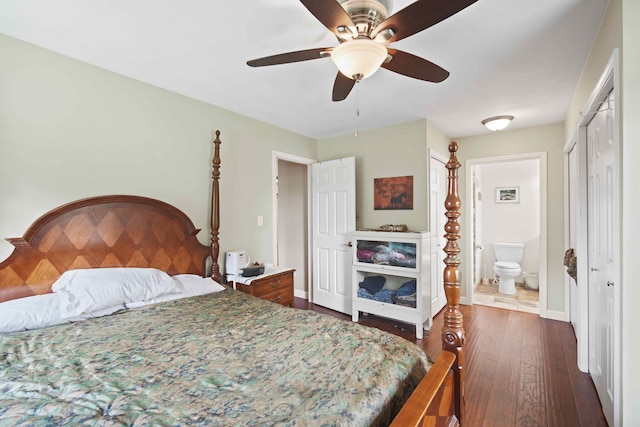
(342, 87)
(419, 16)
(413, 66)
(297, 56)
(329, 13)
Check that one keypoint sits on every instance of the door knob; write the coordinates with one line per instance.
(609, 283)
(595, 269)
(348, 244)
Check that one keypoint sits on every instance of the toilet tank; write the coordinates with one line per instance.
(508, 252)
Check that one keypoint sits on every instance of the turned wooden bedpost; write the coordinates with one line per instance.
(215, 210)
(453, 332)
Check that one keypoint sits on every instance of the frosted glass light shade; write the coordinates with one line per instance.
(497, 122)
(358, 59)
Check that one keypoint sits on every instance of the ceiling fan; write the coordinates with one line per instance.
(364, 32)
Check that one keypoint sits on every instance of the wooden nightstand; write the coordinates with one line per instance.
(275, 285)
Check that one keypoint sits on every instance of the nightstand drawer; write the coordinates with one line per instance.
(275, 283)
(276, 287)
(283, 296)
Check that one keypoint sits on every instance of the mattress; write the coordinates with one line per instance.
(224, 359)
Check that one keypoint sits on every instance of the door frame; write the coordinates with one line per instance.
(275, 157)
(570, 307)
(542, 273)
(433, 155)
(609, 80)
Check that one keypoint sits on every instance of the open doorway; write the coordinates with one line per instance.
(291, 217)
(323, 279)
(507, 204)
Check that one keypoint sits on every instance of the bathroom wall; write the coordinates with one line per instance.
(511, 222)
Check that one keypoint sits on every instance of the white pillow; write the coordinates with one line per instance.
(36, 312)
(100, 288)
(194, 285)
(191, 285)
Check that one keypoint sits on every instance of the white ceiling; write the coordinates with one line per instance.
(517, 57)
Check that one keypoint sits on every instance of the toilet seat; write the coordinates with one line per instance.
(507, 272)
(504, 265)
(507, 266)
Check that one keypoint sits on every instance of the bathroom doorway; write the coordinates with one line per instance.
(507, 201)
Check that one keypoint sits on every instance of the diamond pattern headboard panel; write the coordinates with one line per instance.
(106, 231)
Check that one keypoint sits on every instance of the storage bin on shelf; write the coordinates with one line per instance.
(391, 276)
(398, 254)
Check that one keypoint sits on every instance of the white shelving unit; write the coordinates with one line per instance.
(399, 258)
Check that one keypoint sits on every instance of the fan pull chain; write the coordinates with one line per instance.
(357, 107)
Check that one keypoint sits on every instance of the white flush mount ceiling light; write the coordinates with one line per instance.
(358, 59)
(497, 122)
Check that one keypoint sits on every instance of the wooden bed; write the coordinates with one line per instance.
(133, 231)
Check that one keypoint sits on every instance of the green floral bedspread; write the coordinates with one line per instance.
(225, 359)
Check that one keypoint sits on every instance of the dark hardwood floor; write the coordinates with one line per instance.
(521, 369)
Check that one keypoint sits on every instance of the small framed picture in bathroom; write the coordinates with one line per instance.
(507, 194)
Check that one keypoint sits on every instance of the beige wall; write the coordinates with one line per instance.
(392, 151)
(549, 139)
(609, 38)
(630, 207)
(437, 141)
(69, 130)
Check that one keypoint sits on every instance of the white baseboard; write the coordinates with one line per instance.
(299, 293)
(556, 315)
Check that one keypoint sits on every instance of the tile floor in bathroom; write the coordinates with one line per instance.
(523, 300)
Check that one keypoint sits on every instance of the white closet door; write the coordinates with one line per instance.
(601, 223)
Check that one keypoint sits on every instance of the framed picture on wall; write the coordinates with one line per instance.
(393, 193)
(507, 194)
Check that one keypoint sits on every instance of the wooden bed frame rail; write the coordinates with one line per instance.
(439, 398)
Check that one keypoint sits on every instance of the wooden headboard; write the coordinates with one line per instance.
(109, 231)
(106, 231)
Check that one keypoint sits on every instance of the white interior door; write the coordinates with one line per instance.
(334, 220)
(601, 223)
(479, 269)
(438, 187)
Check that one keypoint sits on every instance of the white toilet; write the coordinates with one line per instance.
(507, 267)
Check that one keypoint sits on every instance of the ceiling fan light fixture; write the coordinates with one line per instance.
(358, 59)
(497, 122)
(344, 32)
(385, 35)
